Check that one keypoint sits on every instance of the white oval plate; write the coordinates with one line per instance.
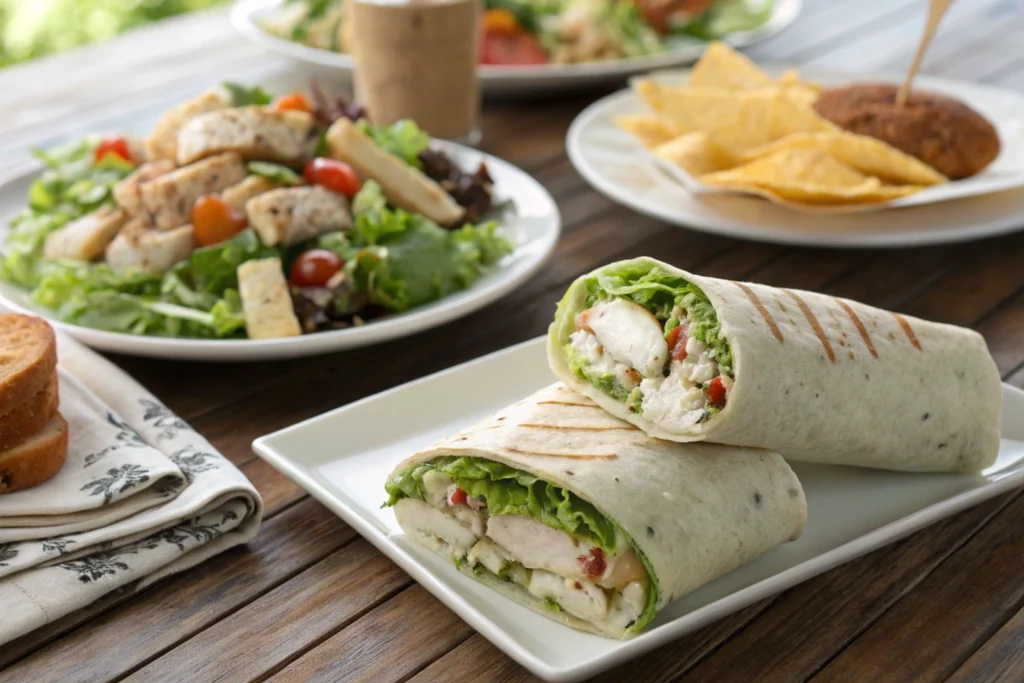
(534, 227)
(614, 163)
(247, 15)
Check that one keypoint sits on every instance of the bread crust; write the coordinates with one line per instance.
(28, 359)
(29, 417)
(35, 460)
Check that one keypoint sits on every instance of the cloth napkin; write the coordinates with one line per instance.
(141, 496)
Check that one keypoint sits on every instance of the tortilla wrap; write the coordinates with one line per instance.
(689, 512)
(814, 377)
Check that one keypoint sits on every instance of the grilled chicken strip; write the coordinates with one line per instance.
(405, 186)
(266, 300)
(141, 248)
(238, 194)
(167, 200)
(162, 143)
(291, 215)
(256, 133)
(126, 193)
(85, 239)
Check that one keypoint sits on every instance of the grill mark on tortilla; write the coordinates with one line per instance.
(574, 456)
(765, 313)
(567, 403)
(908, 330)
(815, 325)
(859, 324)
(627, 428)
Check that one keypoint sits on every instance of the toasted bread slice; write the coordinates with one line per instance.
(28, 359)
(29, 418)
(36, 459)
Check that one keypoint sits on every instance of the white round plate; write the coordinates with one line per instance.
(533, 227)
(247, 16)
(613, 163)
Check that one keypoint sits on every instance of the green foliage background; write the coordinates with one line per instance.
(35, 28)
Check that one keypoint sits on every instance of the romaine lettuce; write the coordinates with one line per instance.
(403, 138)
(509, 491)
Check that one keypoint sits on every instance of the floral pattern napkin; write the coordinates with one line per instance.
(142, 496)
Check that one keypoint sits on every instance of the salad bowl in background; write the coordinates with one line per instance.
(250, 16)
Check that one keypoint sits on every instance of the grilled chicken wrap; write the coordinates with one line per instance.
(583, 517)
(814, 377)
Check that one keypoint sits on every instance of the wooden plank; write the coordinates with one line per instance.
(266, 633)
(150, 623)
(1003, 332)
(946, 618)
(1000, 660)
(476, 660)
(780, 646)
(389, 644)
(278, 491)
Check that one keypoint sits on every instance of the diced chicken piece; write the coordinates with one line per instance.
(490, 555)
(167, 200)
(435, 488)
(256, 133)
(126, 193)
(429, 523)
(85, 238)
(238, 194)
(266, 301)
(162, 143)
(144, 249)
(294, 214)
(405, 186)
(580, 598)
(537, 545)
(631, 334)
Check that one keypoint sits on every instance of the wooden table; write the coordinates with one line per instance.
(310, 600)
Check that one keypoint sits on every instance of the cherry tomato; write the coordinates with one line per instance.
(336, 176)
(214, 221)
(593, 565)
(517, 49)
(458, 497)
(677, 343)
(315, 267)
(716, 393)
(112, 145)
(501, 22)
(296, 101)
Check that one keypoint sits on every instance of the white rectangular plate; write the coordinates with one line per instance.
(344, 457)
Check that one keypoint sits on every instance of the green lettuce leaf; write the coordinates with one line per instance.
(728, 16)
(214, 269)
(403, 138)
(274, 172)
(509, 491)
(405, 260)
(244, 96)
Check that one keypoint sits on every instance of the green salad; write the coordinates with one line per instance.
(120, 235)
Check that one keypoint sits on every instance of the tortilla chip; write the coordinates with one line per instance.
(866, 154)
(695, 153)
(790, 77)
(649, 129)
(723, 67)
(806, 176)
(737, 120)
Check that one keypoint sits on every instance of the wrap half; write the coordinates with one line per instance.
(814, 377)
(584, 518)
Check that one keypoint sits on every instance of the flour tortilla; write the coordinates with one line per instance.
(695, 511)
(875, 389)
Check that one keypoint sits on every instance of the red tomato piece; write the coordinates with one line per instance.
(716, 393)
(315, 267)
(336, 176)
(594, 564)
(458, 497)
(214, 221)
(520, 49)
(296, 101)
(112, 144)
(677, 343)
